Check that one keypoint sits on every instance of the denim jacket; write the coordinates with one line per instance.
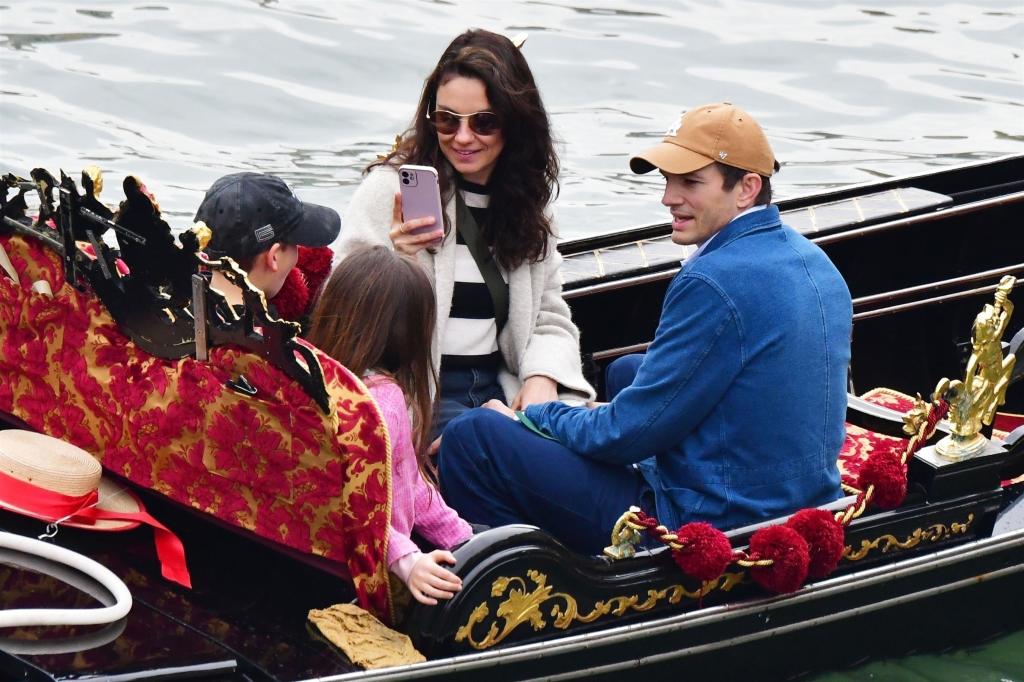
(741, 398)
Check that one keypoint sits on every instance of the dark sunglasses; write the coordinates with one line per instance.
(480, 122)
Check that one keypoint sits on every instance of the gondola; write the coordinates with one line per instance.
(921, 254)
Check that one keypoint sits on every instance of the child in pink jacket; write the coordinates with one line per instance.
(376, 316)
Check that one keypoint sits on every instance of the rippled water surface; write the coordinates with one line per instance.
(182, 92)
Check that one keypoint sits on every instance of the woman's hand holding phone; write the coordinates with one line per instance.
(419, 201)
(402, 234)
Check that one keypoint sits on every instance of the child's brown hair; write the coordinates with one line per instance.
(377, 313)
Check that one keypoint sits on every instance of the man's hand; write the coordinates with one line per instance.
(410, 244)
(536, 389)
(430, 581)
(434, 446)
(498, 406)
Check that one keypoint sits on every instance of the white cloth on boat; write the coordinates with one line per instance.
(7, 266)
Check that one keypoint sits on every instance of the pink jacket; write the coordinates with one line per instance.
(414, 502)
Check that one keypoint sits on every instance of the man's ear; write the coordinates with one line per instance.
(272, 257)
(749, 188)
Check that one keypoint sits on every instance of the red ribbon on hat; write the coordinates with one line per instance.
(52, 506)
(46, 503)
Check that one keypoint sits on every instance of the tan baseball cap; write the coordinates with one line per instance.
(706, 134)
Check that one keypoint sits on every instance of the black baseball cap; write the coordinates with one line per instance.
(247, 212)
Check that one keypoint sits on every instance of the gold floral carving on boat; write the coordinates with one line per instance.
(524, 606)
(933, 533)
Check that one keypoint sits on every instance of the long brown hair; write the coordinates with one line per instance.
(377, 313)
(525, 178)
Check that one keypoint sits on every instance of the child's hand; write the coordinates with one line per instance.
(428, 579)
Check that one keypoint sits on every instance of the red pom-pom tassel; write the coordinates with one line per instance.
(789, 554)
(824, 536)
(293, 298)
(886, 472)
(315, 264)
(705, 551)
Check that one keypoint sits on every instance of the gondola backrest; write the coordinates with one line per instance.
(269, 460)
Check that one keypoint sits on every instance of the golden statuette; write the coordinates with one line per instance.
(96, 174)
(203, 234)
(973, 401)
(625, 536)
(918, 415)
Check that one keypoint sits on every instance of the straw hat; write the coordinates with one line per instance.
(50, 464)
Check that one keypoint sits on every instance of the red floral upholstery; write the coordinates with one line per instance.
(272, 464)
(1005, 422)
(860, 443)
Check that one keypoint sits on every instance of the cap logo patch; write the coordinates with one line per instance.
(674, 128)
(722, 155)
(265, 233)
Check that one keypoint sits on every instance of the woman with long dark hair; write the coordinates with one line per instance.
(503, 329)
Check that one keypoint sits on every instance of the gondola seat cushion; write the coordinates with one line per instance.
(861, 444)
(273, 463)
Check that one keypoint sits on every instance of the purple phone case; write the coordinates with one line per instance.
(420, 196)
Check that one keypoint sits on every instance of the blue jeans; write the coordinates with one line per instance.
(620, 374)
(494, 472)
(464, 389)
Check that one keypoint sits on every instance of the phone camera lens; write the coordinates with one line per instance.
(405, 181)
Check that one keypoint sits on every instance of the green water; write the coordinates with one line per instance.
(1001, 660)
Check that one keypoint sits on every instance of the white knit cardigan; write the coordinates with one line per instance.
(539, 337)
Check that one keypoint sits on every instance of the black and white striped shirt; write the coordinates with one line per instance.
(471, 333)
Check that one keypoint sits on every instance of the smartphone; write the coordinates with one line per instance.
(421, 196)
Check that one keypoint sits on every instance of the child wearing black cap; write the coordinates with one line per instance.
(257, 220)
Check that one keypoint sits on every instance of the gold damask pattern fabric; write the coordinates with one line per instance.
(272, 464)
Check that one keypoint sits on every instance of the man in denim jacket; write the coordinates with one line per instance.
(736, 412)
